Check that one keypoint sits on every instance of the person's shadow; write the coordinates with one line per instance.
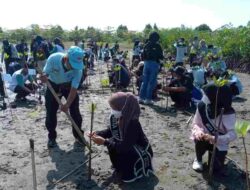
(234, 177)
(29, 104)
(145, 183)
(65, 162)
(239, 99)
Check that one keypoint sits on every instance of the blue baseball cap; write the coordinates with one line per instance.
(75, 55)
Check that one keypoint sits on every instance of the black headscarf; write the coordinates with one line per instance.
(224, 99)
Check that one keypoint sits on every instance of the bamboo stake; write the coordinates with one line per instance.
(246, 160)
(71, 172)
(214, 149)
(33, 164)
(90, 141)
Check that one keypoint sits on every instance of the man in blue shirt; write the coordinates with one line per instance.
(18, 84)
(64, 72)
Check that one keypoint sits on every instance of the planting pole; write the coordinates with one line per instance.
(214, 148)
(67, 114)
(33, 164)
(90, 141)
(188, 121)
(247, 176)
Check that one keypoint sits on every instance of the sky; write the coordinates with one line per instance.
(135, 14)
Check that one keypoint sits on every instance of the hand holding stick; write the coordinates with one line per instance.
(44, 79)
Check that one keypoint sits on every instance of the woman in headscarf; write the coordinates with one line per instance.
(129, 149)
(206, 120)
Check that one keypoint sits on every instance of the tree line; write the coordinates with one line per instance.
(233, 41)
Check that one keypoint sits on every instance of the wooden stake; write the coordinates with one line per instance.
(90, 141)
(71, 172)
(210, 175)
(33, 164)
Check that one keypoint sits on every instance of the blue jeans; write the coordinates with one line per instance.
(150, 71)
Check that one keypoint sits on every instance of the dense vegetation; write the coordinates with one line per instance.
(234, 42)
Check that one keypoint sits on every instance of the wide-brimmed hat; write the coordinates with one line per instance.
(75, 55)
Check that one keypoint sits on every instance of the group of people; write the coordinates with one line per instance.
(129, 148)
(18, 59)
(125, 139)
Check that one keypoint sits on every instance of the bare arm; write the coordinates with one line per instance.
(174, 89)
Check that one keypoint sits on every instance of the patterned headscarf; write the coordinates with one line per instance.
(128, 104)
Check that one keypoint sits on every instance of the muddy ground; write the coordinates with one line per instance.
(168, 134)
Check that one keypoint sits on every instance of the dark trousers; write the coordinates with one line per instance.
(2, 91)
(21, 93)
(7, 63)
(200, 149)
(52, 107)
(181, 99)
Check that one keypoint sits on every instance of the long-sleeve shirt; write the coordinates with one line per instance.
(134, 135)
(226, 128)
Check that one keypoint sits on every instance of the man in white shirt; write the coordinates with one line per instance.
(181, 52)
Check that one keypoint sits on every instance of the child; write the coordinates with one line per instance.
(205, 125)
(129, 150)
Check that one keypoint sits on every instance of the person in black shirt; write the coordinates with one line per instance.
(180, 88)
(138, 73)
(129, 149)
(23, 50)
(152, 54)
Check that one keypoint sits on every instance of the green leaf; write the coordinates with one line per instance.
(220, 82)
(33, 114)
(93, 107)
(105, 82)
(242, 128)
(168, 65)
(117, 68)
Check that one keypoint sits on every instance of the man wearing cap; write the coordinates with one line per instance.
(64, 72)
(18, 84)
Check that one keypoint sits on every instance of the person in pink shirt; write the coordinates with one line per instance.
(205, 125)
